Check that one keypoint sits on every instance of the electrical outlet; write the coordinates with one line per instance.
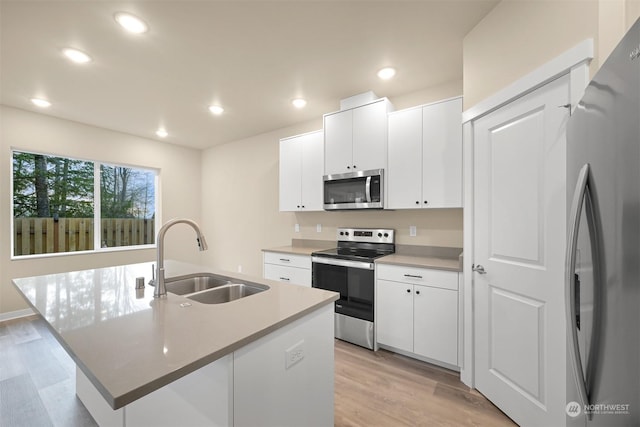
(294, 354)
(319, 228)
(413, 231)
(239, 268)
(296, 228)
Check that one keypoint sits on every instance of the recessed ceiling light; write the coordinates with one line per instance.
(216, 109)
(42, 103)
(162, 133)
(131, 23)
(77, 56)
(299, 102)
(387, 73)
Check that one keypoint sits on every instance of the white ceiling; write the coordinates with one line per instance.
(251, 57)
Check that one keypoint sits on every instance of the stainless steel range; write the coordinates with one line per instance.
(349, 270)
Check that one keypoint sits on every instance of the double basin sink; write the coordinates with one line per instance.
(209, 288)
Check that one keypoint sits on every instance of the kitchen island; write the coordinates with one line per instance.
(264, 359)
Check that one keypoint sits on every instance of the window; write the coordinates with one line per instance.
(69, 205)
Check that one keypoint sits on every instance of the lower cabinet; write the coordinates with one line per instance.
(282, 379)
(417, 312)
(287, 268)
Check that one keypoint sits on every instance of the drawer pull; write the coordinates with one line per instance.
(285, 278)
(413, 276)
(285, 260)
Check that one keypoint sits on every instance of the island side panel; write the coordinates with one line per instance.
(203, 397)
(286, 377)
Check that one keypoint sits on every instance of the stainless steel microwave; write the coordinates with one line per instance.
(354, 190)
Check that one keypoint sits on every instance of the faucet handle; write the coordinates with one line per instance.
(152, 282)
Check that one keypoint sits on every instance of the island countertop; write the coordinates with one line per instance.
(129, 344)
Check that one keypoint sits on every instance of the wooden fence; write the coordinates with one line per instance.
(45, 235)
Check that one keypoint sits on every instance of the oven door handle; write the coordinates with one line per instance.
(343, 263)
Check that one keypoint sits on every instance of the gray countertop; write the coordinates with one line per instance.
(303, 247)
(421, 261)
(436, 257)
(130, 344)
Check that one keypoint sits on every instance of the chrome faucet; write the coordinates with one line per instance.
(160, 288)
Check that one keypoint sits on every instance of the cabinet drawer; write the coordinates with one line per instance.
(298, 276)
(418, 276)
(278, 258)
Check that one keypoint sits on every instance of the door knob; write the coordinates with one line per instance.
(478, 269)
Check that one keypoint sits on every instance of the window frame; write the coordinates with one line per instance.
(97, 216)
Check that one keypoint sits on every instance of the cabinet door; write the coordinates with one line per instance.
(338, 137)
(290, 174)
(442, 154)
(312, 171)
(435, 313)
(394, 323)
(404, 171)
(370, 136)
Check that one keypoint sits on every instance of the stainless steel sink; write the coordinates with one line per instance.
(227, 293)
(183, 285)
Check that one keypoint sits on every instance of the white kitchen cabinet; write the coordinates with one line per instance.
(356, 139)
(417, 312)
(435, 316)
(287, 268)
(301, 169)
(395, 314)
(425, 156)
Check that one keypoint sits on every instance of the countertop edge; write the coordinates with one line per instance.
(421, 262)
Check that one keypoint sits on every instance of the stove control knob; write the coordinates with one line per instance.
(386, 234)
(379, 234)
(342, 233)
(346, 233)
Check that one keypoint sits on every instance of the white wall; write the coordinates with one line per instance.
(518, 36)
(240, 200)
(180, 190)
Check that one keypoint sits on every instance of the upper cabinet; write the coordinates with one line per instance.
(301, 167)
(425, 156)
(356, 139)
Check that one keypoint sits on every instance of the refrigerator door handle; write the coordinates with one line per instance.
(570, 282)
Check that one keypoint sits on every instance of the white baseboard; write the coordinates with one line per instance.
(16, 314)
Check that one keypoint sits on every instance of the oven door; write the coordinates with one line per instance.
(353, 280)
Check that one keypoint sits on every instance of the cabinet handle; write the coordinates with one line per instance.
(425, 202)
(285, 260)
(409, 291)
(348, 167)
(413, 276)
(298, 206)
(284, 278)
(302, 206)
(417, 202)
(354, 166)
(418, 292)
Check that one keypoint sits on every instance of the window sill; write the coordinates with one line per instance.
(89, 252)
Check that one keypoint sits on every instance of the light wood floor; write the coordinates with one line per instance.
(386, 389)
(37, 387)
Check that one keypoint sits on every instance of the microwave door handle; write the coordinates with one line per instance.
(368, 189)
(570, 283)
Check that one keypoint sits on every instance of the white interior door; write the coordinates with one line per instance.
(519, 234)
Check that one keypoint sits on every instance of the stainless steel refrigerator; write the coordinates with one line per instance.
(603, 249)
